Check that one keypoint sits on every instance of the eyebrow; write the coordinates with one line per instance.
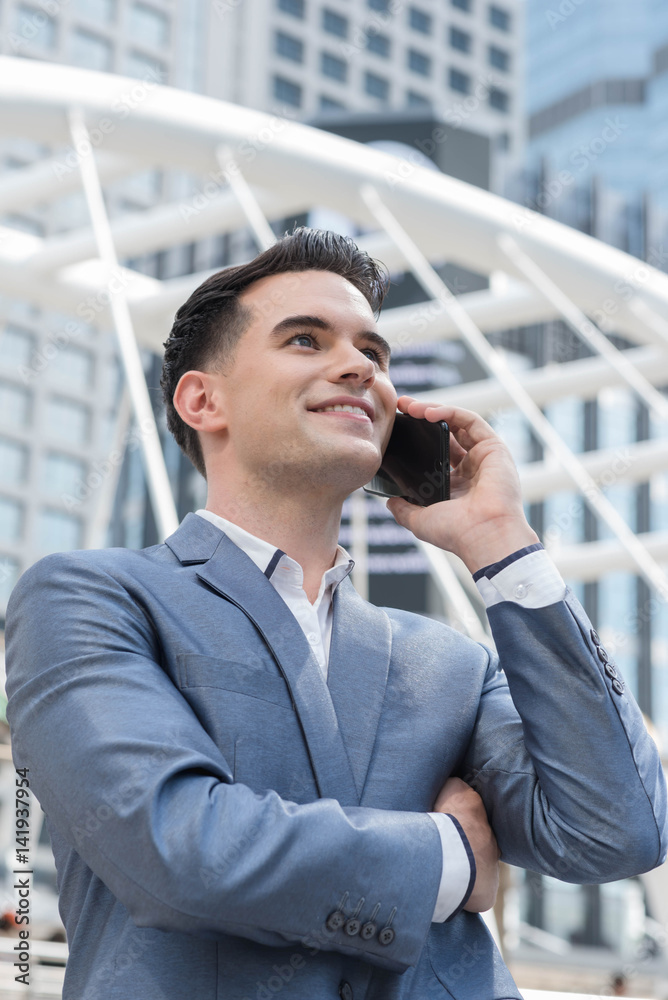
(299, 322)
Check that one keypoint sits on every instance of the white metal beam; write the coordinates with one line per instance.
(156, 473)
(631, 463)
(583, 379)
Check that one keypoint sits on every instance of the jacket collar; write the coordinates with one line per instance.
(339, 719)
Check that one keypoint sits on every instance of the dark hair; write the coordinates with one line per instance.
(208, 326)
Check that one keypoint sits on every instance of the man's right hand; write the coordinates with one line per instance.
(462, 802)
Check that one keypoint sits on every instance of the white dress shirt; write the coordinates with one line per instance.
(528, 577)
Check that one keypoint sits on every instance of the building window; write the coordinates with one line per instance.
(11, 520)
(90, 51)
(297, 8)
(15, 405)
(287, 92)
(149, 26)
(16, 346)
(377, 86)
(378, 44)
(499, 99)
(415, 100)
(62, 474)
(499, 18)
(329, 104)
(72, 367)
(33, 27)
(383, 5)
(333, 67)
(289, 47)
(418, 62)
(9, 574)
(103, 11)
(461, 4)
(144, 67)
(460, 40)
(67, 421)
(499, 58)
(459, 81)
(335, 23)
(58, 531)
(13, 462)
(419, 20)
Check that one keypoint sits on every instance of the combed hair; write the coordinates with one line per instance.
(208, 326)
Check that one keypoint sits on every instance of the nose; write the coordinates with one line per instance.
(351, 365)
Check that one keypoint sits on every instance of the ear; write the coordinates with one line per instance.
(199, 401)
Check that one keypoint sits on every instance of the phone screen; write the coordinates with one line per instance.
(416, 463)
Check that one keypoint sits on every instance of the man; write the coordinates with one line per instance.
(257, 782)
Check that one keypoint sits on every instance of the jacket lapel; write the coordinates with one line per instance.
(233, 575)
(359, 661)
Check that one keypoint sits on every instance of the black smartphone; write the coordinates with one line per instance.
(416, 463)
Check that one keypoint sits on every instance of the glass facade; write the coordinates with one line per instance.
(34, 28)
(13, 462)
(15, 405)
(58, 531)
(91, 51)
(103, 11)
(11, 519)
(67, 421)
(149, 26)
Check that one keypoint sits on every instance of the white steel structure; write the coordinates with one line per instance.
(280, 168)
(251, 168)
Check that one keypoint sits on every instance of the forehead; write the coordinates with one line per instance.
(307, 292)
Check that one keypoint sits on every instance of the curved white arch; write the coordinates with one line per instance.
(291, 168)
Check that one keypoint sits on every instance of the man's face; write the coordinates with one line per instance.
(312, 343)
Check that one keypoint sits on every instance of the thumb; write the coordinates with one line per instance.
(403, 512)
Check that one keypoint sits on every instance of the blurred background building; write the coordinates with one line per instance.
(560, 105)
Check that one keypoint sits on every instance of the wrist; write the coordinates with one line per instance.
(494, 541)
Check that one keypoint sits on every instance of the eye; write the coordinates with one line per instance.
(303, 336)
(376, 354)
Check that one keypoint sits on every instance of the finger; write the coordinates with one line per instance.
(404, 513)
(468, 427)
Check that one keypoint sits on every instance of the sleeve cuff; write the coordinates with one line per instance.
(459, 870)
(527, 577)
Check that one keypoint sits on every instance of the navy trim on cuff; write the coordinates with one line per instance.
(469, 854)
(494, 568)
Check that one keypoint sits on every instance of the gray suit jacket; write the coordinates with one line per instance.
(212, 801)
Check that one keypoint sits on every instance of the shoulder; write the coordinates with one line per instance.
(84, 566)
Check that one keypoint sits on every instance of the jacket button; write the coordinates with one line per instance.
(610, 670)
(368, 930)
(595, 638)
(386, 936)
(617, 686)
(352, 926)
(335, 920)
(602, 654)
(345, 991)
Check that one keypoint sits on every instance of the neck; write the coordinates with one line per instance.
(304, 526)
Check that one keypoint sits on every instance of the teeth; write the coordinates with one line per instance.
(342, 407)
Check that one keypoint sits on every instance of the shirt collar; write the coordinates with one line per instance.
(267, 557)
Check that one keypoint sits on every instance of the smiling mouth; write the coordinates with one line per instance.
(356, 411)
